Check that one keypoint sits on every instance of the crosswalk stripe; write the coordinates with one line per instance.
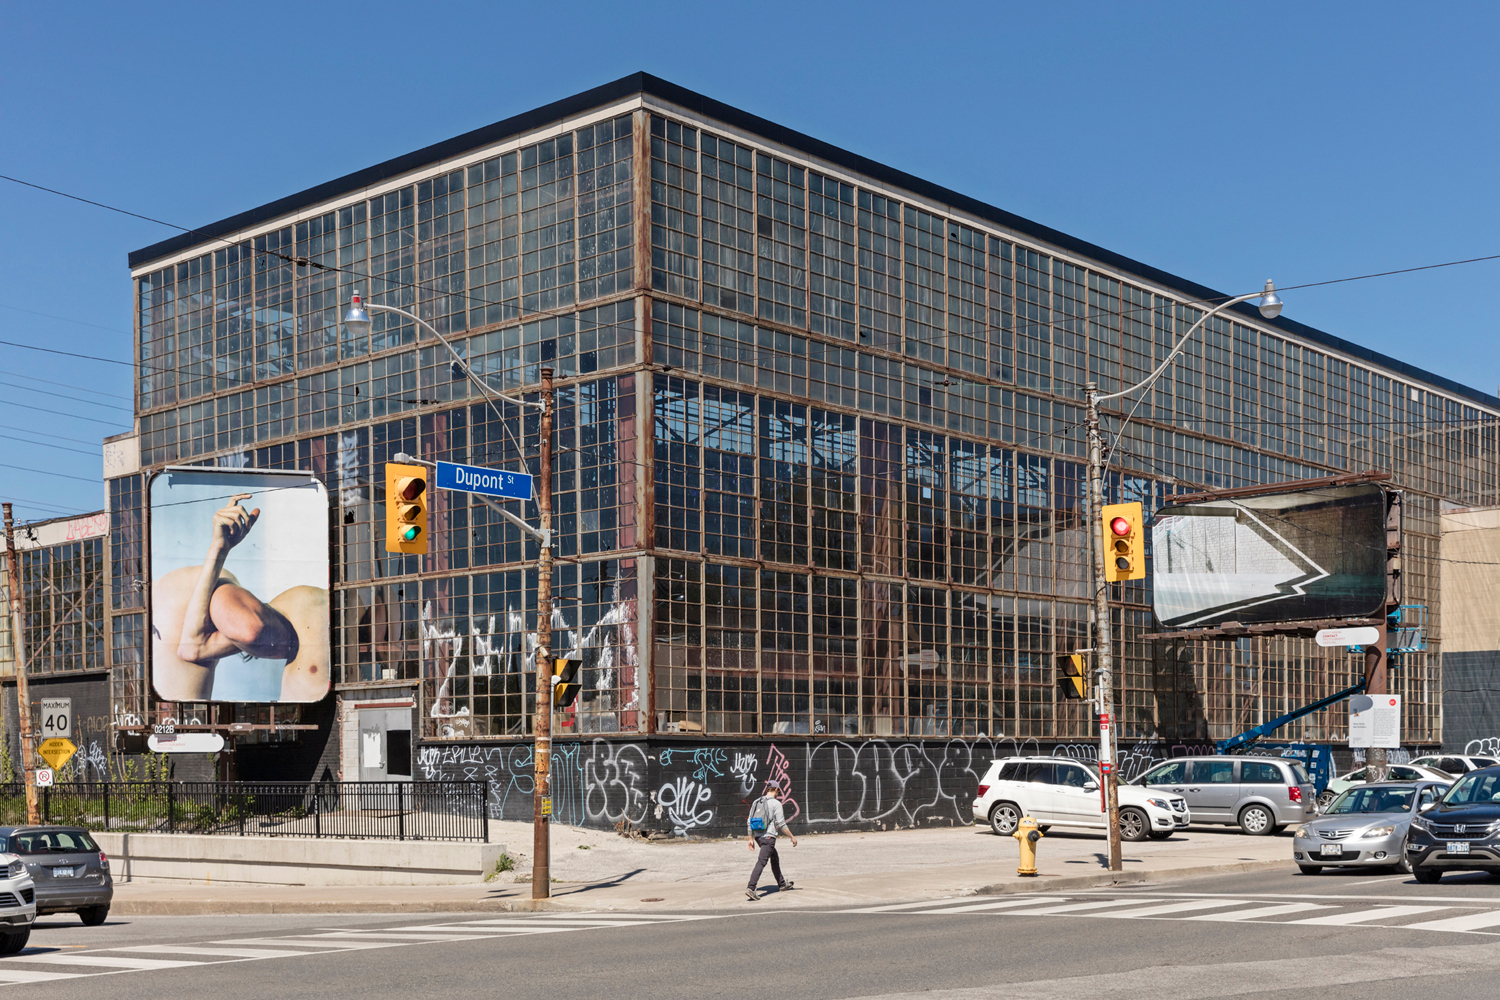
(197, 949)
(999, 904)
(1257, 912)
(1182, 907)
(1098, 904)
(897, 907)
(393, 936)
(539, 926)
(1472, 922)
(312, 946)
(95, 961)
(1365, 916)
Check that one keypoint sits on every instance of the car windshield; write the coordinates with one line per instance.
(1372, 800)
(51, 842)
(1474, 788)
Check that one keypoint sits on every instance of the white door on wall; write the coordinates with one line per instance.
(385, 744)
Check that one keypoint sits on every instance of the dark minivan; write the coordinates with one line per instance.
(70, 871)
(1461, 832)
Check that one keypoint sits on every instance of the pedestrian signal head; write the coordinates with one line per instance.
(405, 508)
(564, 680)
(1072, 677)
(1124, 542)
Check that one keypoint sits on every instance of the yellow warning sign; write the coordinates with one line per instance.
(57, 752)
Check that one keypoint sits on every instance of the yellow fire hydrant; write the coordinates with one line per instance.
(1027, 834)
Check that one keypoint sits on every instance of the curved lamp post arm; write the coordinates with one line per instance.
(372, 307)
(1181, 345)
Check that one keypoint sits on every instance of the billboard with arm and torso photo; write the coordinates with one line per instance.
(239, 586)
(1280, 557)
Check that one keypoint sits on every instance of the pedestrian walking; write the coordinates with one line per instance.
(765, 821)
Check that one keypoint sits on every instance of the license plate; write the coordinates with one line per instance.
(1458, 847)
(68, 872)
(1333, 849)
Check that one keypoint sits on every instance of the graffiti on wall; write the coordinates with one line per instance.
(706, 790)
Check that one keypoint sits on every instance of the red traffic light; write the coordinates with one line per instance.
(1120, 526)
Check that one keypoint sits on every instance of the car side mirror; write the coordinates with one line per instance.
(1091, 786)
(1427, 806)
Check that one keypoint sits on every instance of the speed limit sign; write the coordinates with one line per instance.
(57, 718)
(44, 777)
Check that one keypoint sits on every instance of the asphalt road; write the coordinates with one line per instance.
(1266, 935)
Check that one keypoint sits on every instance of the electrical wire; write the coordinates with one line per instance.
(69, 385)
(44, 472)
(60, 413)
(28, 430)
(59, 395)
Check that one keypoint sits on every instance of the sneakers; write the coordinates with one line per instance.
(751, 895)
(786, 885)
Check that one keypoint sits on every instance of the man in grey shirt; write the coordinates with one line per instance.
(767, 809)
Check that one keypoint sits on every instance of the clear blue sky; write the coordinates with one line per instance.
(1226, 142)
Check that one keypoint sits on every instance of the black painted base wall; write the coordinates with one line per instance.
(692, 786)
(1471, 702)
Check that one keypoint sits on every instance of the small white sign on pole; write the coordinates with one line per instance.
(1364, 636)
(44, 777)
(1375, 721)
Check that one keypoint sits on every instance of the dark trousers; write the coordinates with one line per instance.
(767, 853)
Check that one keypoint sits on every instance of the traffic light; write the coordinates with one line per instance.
(405, 508)
(564, 688)
(1072, 679)
(1124, 542)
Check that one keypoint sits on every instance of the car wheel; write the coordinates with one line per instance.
(93, 916)
(1257, 821)
(1324, 798)
(1427, 876)
(1134, 825)
(1402, 867)
(10, 944)
(1004, 818)
(1309, 869)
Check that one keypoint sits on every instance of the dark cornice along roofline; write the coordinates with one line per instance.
(645, 83)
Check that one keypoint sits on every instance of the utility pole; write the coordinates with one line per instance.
(18, 643)
(541, 799)
(1103, 640)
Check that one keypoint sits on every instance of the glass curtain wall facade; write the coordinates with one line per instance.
(819, 449)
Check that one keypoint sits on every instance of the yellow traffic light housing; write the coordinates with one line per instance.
(405, 508)
(1072, 677)
(1124, 542)
(564, 686)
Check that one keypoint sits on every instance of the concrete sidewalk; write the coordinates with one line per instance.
(596, 870)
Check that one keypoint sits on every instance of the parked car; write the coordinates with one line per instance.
(1065, 792)
(17, 904)
(1461, 832)
(1396, 772)
(1259, 794)
(1455, 763)
(70, 872)
(1365, 825)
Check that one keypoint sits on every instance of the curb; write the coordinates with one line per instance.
(1045, 884)
(223, 907)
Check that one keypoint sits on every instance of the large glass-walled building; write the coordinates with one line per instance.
(818, 457)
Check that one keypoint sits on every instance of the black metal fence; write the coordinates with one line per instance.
(384, 810)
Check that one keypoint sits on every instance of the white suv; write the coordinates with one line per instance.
(17, 904)
(1063, 792)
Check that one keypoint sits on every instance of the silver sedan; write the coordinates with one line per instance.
(1365, 826)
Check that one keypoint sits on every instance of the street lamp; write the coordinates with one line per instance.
(1270, 308)
(357, 322)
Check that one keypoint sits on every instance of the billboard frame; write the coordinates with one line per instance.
(151, 702)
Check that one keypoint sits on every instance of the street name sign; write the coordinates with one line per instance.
(1366, 635)
(490, 482)
(57, 752)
